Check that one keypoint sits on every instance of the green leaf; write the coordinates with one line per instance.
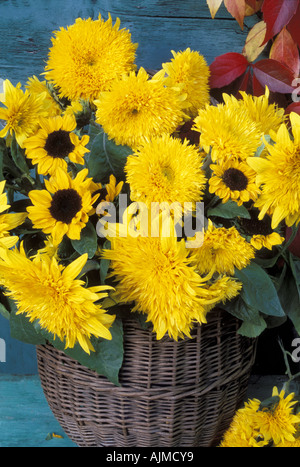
(18, 157)
(238, 308)
(104, 263)
(252, 330)
(106, 158)
(4, 312)
(253, 324)
(23, 330)
(88, 241)
(104, 267)
(259, 291)
(107, 358)
(260, 149)
(289, 292)
(89, 266)
(270, 404)
(142, 320)
(229, 210)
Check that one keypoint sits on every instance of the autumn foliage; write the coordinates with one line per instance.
(270, 56)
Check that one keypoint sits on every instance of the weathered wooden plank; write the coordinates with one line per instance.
(20, 358)
(163, 8)
(25, 417)
(158, 26)
(158, 36)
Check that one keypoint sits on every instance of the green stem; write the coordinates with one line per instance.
(291, 239)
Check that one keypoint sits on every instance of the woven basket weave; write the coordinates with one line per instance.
(172, 394)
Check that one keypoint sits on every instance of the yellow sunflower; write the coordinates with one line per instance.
(260, 231)
(37, 87)
(22, 112)
(189, 71)
(145, 267)
(55, 141)
(86, 57)
(268, 117)
(278, 174)
(243, 431)
(47, 292)
(228, 131)
(49, 249)
(223, 248)
(233, 180)
(8, 221)
(167, 170)
(63, 208)
(289, 444)
(280, 423)
(147, 106)
(109, 191)
(106, 194)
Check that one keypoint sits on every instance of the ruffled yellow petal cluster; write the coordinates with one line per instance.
(222, 248)
(234, 129)
(228, 131)
(63, 208)
(54, 143)
(139, 107)
(254, 426)
(51, 294)
(38, 88)
(166, 170)
(243, 432)
(278, 174)
(266, 241)
(267, 117)
(21, 112)
(158, 276)
(86, 57)
(189, 73)
(8, 221)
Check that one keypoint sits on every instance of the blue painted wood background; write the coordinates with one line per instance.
(158, 26)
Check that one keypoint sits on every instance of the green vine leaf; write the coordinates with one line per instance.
(106, 158)
(229, 210)
(88, 241)
(258, 290)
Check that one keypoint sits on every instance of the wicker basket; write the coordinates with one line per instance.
(172, 394)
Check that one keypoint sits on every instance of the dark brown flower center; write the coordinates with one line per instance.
(186, 132)
(59, 144)
(254, 226)
(65, 204)
(235, 179)
(102, 195)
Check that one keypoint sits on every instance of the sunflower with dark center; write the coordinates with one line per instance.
(54, 143)
(233, 180)
(64, 207)
(261, 232)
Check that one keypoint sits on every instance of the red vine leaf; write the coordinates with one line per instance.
(277, 14)
(273, 74)
(285, 51)
(293, 26)
(226, 68)
(294, 107)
